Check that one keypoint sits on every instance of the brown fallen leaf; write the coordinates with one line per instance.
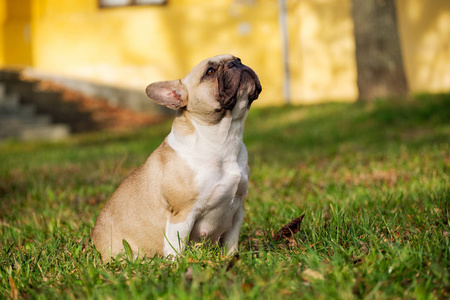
(289, 229)
(14, 290)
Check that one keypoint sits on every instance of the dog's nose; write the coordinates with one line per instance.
(234, 63)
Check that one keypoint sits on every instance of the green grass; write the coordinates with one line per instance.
(372, 181)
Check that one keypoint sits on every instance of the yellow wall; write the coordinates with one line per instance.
(322, 50)
(2, 32)
(425, 37)
(133, 46)
(16, 33)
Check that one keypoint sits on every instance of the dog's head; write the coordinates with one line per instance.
(215, 87)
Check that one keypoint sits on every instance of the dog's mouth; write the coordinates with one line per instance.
(235, 80)
(251, 79)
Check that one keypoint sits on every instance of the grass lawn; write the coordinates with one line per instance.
(372, 181)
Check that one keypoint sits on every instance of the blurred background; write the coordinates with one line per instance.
(372, 178)
(304, 51)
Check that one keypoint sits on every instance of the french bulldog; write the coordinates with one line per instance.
(193, 186)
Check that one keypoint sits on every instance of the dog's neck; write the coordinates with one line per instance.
(224, 138)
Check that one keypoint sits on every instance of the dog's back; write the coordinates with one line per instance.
(137, 211)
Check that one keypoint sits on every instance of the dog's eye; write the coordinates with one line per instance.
(210, 71)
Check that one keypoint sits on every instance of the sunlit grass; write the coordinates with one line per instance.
(372, 181)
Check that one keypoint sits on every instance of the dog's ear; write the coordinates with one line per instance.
(172, 94)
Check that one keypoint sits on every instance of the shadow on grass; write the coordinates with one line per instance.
(93, 164)
(292, 133)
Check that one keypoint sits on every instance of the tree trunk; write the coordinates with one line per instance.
(378, 52)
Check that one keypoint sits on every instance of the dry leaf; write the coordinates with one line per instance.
(310, 275)
(14, 290)
(289, 229)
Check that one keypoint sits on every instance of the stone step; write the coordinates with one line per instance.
(27, 113)
(32, 128)
(13, 126)
(11, 110)
(9, 75)
(52, 132)
(50, 103)
(21, 87)
(70, 105)
(2, 90)
(24, 116)
(9, 99)
(37, 132)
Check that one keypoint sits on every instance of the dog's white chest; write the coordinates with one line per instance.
(220, 183)
(221, 177)
(222, 191)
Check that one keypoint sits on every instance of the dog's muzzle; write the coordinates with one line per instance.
(235, 77)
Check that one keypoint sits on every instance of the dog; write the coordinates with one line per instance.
(193, 186)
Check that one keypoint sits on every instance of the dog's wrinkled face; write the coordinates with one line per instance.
(214, 88)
